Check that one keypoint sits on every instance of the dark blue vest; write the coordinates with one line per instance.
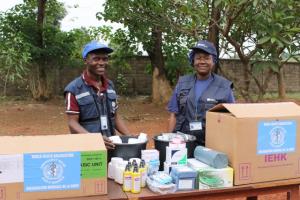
(92, 106)
(218, 91)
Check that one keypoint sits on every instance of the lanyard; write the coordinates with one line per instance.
(102, 97)
(196, 105)
(196, 109)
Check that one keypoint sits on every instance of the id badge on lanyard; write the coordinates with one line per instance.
(103, 120)
(195, 126)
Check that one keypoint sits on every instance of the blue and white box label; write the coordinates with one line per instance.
(276, 137)
(51, 171)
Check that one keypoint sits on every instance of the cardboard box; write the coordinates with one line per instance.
(261, 140)
(54, 166)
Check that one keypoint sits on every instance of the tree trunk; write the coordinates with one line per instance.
(281, 83)
(213, 32)
(280, 75)
(40, 21)
(39, 84)
(161, 89)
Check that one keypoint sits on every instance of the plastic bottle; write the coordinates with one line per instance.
(143, 171)
(130, 166)
(127, 179)
(136, 180)
(134, 163)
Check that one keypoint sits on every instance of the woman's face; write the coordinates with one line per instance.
(203, 63)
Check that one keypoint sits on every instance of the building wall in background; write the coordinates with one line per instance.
(139, 82)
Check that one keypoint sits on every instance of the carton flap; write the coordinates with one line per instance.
(51, 143)
(244, 110)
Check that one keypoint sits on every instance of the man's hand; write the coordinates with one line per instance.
(108, 143)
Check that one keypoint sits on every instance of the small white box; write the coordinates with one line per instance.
(176, 156)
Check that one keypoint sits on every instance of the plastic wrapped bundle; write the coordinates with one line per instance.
(211, 157)
(160, 183)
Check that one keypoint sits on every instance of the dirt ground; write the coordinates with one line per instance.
(33, 118)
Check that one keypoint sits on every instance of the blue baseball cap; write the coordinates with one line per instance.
(205, 46)
(94, 45)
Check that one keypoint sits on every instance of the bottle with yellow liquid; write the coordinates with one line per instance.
(143, 171)
(136, 180)
(127, 179)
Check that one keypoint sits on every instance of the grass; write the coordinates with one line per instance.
(289, 95)
(273, 96)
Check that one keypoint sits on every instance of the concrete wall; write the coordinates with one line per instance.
(291, 76)
(139, 81)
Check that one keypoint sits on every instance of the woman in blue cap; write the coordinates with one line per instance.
(91, 100)
(196, 93)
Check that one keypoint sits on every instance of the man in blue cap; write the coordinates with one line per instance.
(91, 101)
(196, 93)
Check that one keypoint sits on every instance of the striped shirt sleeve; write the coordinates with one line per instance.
(71, 104)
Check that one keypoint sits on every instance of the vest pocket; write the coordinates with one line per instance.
(182, 99)
(112, 102)
(87, 108)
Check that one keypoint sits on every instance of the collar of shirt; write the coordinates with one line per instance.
(209, 78)
(99, 87)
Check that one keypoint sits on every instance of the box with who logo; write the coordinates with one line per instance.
(54, 166)
(262, 140)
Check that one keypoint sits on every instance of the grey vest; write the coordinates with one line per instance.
(218, 91)
(92, 107)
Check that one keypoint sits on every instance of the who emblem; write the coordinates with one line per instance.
(277, 136)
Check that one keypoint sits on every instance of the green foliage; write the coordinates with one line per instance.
(14, 59)
(121, 84)
(249, 29)
(273, 96)
(14, 52)
(140, 18)
(278, 22)
(20, 49)
(17, 39)
(279, 35)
